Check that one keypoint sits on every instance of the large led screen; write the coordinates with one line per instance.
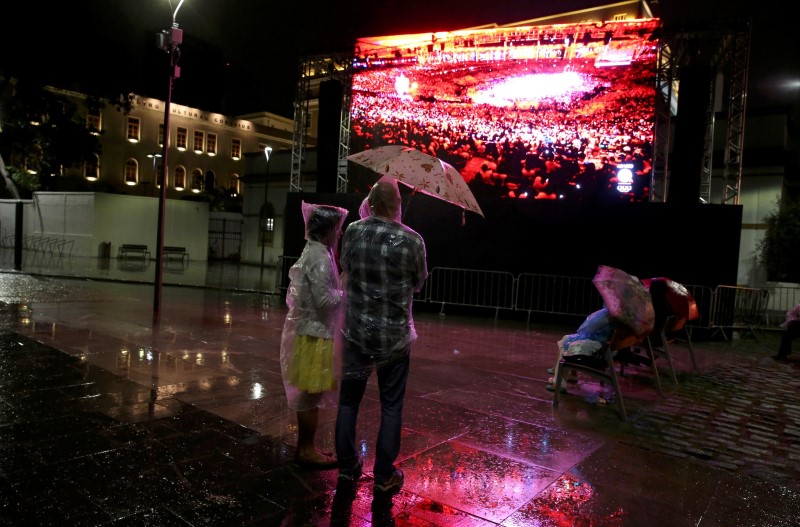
(526, 112)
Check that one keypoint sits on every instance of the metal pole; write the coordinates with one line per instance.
(263, 218)
(18, 213)
(175, 38)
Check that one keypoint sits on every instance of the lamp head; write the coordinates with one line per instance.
(267, 151)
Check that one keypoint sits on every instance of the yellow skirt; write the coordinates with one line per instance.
(311, 368)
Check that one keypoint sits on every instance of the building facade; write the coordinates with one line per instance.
(206, 150)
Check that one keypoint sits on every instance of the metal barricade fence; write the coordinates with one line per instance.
(471, 287)
(703, 297)
(724, 308)
(737, 308)
(782, 298)
(562, 295)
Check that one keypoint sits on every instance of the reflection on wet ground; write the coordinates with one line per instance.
(107, 421)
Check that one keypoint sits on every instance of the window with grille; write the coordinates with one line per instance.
(159, 174)
(91, 168)
(236, 148)
(134, 131)
(93, 122)
(131, 172)
(211, 144)
(180, 178)
(199, 139)
(197, 180)
(181, 137)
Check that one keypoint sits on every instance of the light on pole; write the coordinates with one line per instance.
(168, 41)
(263, 219)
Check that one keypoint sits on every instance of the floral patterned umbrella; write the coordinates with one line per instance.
(421, 172)
(626, 298)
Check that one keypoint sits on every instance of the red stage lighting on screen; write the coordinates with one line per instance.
(508, 96)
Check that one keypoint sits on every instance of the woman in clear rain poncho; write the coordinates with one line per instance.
(310, 363)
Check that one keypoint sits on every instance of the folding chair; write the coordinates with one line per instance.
(663, 350)
(600, 367)
(649, 358)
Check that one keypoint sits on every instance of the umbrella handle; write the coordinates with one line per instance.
(408, 205)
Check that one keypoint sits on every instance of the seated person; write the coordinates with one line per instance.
(792, 325)
(599, 330)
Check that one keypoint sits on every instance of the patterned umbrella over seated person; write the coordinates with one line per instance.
(626, 298)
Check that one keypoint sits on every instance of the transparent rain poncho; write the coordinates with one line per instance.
(310, 359)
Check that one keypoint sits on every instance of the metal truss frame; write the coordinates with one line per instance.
(729, 63)
(311, 72)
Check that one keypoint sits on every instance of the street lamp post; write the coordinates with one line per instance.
(263, 226)
(169, 42)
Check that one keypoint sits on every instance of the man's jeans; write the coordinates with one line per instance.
(392, 376)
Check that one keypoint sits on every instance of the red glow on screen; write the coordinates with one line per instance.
(528, 111)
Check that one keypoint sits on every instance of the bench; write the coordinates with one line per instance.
(176, 253)
(130, 250)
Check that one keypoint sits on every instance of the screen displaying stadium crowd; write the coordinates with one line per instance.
(525, 112)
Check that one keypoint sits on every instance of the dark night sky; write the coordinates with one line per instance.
(251, 48)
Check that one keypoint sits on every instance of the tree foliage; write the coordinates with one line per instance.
(779, 249)
(43, 133)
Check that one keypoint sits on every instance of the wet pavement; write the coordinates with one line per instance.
(105, 420)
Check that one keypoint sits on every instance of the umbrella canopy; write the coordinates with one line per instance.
(675, 295)
(427, 174)
(626, 298)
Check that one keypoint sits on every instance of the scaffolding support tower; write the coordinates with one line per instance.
(727, 48)
(312, 71)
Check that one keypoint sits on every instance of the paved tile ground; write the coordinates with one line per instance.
(104, 421)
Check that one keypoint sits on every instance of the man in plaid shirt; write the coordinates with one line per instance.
(383, 264)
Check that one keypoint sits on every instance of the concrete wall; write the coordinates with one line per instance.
(90, 219)
(759, 197)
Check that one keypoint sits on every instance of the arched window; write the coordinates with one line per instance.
(91, 168)
(131, 172)
(197, 180)
(180, 178)
(210, 182)
(158, 174)
(233, 184)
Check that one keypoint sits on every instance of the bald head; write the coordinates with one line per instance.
(384, 199)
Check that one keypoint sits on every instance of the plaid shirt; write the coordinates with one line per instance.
(384, 263)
